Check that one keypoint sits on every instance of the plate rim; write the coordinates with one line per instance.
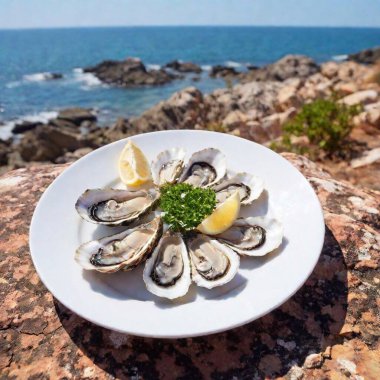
(210, 331)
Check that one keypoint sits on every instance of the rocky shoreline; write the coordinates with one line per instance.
(255, 108)
(328, 329)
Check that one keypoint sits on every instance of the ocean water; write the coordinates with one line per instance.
(27, 55)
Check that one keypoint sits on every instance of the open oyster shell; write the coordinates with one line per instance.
(205, 168)
(212, 263)
(115, 207)
(249, 186)
(167, 271)
(253, 236)
(124, 250)
(168, 166)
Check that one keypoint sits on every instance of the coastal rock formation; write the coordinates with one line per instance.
(255, 110)
(360, 97)
(128, 73)
(25, 126)
(183, 110)
(290, 66)
(4, 151)
(368, 56)
(220, 71)
(76, 115)
(47, 142)
(184, 67)
(328, 330)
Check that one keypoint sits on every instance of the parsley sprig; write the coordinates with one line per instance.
(186, 206)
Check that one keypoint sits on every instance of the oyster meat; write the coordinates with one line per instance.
(115, 207)
(254, 236)
(167, 271)
(205, 168)
(168, 166)
(124, 250)
(250, 188)
(212, 263)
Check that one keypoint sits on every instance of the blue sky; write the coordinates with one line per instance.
(65, 13)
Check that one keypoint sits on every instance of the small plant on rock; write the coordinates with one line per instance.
(324, 125)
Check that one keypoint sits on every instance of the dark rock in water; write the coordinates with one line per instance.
(252, 67)
(129, 73)
(290, 66)
(25, 126)
(75, 115)
(184, 67)
(55, 76)
(368, 56)
(196, 79)
(220, 71)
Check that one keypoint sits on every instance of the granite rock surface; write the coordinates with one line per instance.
(328, 330)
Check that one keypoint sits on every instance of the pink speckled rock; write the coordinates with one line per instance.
(329, 329)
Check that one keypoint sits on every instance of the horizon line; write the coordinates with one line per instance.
(186, 26)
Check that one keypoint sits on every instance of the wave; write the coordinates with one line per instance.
(43, 117)
(14, 84)
(206, 67)
(89, 80)
(233, 64)
(153, 67)
(38, 77)
(340, 58)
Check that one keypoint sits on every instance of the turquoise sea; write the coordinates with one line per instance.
(26, 54)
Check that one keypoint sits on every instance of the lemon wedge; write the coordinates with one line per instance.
(134, 168)
(222, 217)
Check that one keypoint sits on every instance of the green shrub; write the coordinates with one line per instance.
(325, 123)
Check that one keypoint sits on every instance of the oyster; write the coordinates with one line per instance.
(167, 271)
(115, 207)
(254, 236)
(250, 188)
(168, 166)
(124, 250)
(206, 167)
(212, 263)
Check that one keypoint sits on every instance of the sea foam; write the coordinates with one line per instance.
(38, 77)
(153, 67)
(233, 64)
(43, 117)
(340, 58)
(206, 67)
(87, 79)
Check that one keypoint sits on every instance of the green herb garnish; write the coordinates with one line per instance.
(186, 206)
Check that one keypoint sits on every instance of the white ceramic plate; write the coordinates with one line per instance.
(120, 301)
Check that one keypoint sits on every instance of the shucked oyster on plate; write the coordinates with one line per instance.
(178, 257)
(167, 271)
(212, 263)
(205, 168)
(168, 166)
(249, 187)
(115, 207)
(253, 236)
(124, 250)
